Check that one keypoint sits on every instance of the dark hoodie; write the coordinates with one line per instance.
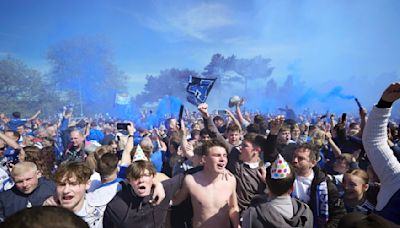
(262, 215)
(127, 209)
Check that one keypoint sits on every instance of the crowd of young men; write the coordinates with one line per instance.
(236, 170)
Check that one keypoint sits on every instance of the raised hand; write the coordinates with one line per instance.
(276, 124)
(391, 93)
(363, 113)
(203, 109)
(131, 128)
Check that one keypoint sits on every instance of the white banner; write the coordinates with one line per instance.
(122, 98)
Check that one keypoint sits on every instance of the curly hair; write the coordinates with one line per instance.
(43, 158)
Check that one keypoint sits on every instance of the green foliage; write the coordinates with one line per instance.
(233, 74)
(83, 67)
(24, 89)
(170, 82)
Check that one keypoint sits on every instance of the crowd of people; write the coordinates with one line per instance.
(231, 169)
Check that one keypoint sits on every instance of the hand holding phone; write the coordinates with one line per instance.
(122, 126)
(222, 112)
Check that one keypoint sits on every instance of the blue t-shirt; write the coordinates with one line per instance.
(157, 159)
(14, 123)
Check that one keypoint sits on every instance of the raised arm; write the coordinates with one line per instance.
(34, 116)
(209, 124)
(232, 117)
(186, 147)
(363, 121)
(126, 154)
(336, 150)
(269, 147)
(9, 141)
(375, 143)
(333, 122)
(244, 123)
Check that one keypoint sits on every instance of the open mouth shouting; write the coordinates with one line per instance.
(220, 166)
(143, 190)
(67, 198)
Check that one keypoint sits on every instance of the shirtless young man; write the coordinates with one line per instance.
(213, 193)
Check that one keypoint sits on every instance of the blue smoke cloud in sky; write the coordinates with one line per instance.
(331, 49)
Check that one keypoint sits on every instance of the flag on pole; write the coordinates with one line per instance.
(122, 98)
(198, 89)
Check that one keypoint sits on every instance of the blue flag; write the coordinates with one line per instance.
(198, 89)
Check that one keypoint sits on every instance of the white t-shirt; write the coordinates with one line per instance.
(96, 202)
(302, 186)
(95, 181)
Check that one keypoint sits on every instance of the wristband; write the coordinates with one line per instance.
(384, 104)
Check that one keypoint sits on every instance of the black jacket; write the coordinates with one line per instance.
(335, 203)
(13, 200)
(127, 209)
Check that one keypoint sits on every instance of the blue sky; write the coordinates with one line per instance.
(322, 42)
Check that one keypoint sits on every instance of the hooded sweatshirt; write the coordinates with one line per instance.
(127, 209)
(264, 215)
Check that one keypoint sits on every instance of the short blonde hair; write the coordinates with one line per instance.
(361, 174)
(23, 167)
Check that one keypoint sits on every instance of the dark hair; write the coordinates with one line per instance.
(175, 140)
(250, 137)
(194, 132)
(258, 119)
(261, 140)
(205, 131)
(314, 150)
(280, 186)
(294, 126)
(253, 128)
(353, 124)
(216, 118)
(16, 114)
(232, 127)
(39, 217)
(112, 141)
(107, 164)
(69, 169)
(207, 145)
(285, 127)
(137, 168)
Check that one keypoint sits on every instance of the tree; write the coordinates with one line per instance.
(170, 82)
(244, 70)
(25, 89)
(237, 76)
(84, 67)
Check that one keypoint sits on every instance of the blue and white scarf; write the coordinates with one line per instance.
(322, 207)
